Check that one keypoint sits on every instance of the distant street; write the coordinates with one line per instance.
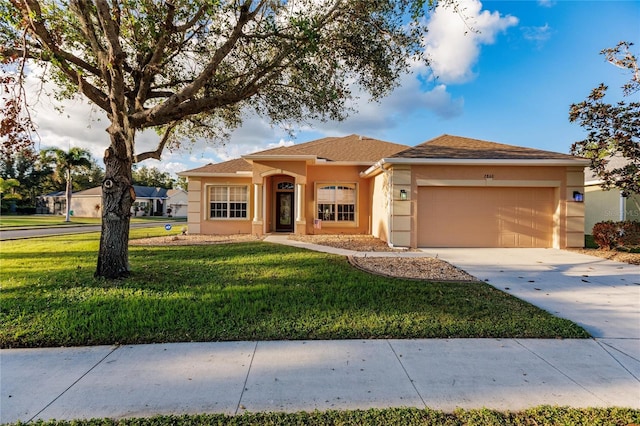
(44, 231)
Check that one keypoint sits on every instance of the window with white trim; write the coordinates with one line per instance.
(336, 202)
(228, 202)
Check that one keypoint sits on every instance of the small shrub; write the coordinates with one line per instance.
(610, 235)
(630, 233)
(606, 234)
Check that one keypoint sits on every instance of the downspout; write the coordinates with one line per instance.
(623, 210)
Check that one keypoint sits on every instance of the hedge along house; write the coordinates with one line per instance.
(461, 192)
(310, 188)
(450, 191)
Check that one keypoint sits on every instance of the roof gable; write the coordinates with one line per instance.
(231, 166)
(461, 148)
(352, 148)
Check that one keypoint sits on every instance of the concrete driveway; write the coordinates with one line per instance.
(601, 295)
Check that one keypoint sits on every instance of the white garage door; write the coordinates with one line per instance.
(485, 217)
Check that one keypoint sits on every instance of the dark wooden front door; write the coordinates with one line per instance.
(284, 211)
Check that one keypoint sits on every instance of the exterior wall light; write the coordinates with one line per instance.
(578, 196)
(403, 194)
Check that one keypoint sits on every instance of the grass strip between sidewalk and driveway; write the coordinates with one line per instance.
(239, 291)
(543, 415)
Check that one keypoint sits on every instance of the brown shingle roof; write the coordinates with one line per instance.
(457, 147)
(347, 148)
(231, 166)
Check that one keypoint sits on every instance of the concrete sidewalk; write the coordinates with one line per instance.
(237, 377)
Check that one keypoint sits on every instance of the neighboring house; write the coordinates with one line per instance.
(52, 203)
(176, 203)
(602, 205)
(150, 201)
(447, 192)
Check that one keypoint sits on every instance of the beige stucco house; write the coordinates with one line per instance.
(448, 192)
(602, 205)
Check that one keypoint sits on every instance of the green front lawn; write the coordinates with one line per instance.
(19, 221)
(240, 291)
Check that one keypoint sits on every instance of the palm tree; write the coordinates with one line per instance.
(65, 163)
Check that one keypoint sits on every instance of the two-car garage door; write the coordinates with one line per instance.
(485, 217)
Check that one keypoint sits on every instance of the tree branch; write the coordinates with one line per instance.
(159, 149)
(150, 68)
(32, 16)
(81, 8)
(166, 109)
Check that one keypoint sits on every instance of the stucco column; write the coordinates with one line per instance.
(299, 203)
(257, 202)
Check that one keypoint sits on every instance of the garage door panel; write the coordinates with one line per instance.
(485, 217)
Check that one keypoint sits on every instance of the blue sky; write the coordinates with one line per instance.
(511, 81)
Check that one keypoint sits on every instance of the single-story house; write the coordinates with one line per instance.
(150, 201)
(451, 191)
(52, 203)
(176, 203)
(602, 205)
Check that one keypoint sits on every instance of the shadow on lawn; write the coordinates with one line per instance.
(255, 291)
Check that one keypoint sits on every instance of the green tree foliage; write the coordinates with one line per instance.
(8, 189)
(182, 183)
(64, 164)
(194, 69)
(88, 177)
(613, 129)
(23, 166)
(151, 176)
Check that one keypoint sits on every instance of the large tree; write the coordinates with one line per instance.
(613, 129)
(64, 164)
(193, 69)
(151, 176)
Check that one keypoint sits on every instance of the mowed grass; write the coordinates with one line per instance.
(240, 291)
(18, 221)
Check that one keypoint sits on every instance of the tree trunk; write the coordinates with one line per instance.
(68, 196)
(117, 197)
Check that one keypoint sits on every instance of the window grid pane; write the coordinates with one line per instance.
(346, 212)
(238, 210)
(218, 193)
(229, 202)
(218, 210)
(326, 212)
(337, 202)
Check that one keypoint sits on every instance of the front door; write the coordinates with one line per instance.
(284, 211)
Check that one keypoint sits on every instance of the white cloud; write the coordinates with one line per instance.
(455, 38)
(538, 35)
(547, 3)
